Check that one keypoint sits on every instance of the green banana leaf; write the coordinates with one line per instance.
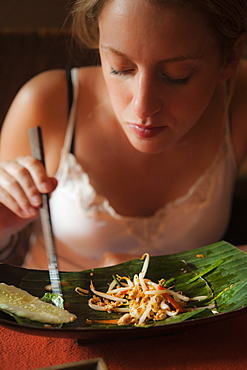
(218, 271)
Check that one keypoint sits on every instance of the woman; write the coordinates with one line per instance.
(148, 158)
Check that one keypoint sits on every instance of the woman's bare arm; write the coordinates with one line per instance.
(41, 102)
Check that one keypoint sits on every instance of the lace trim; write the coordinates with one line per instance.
(144, 228)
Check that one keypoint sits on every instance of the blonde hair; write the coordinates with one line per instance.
(85, 15)
(227, 19)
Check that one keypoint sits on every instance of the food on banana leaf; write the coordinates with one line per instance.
(16, 301)
(142, 301)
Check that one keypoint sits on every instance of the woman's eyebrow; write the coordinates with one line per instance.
(114, 51)
(180, 58)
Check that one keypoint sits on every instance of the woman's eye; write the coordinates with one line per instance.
(176, 81)
(119, 73)
(168, 79)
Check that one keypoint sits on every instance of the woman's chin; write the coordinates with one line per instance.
(148, 146)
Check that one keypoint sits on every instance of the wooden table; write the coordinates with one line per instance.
(216, 346)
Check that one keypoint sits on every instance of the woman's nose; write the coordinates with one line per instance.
(146, 100)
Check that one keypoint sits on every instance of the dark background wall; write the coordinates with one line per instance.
(19, 14)
(34, 37)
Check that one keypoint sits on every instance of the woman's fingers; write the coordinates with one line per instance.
(18, 191)
(43, 183)
(11, 203)
(21, 183)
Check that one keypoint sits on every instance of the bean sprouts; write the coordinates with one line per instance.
(140, 300)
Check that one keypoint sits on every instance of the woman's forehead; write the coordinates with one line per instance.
(141, 25)
(151, 16)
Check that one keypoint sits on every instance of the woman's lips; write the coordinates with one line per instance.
(145, 132)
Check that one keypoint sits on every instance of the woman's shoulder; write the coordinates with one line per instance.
(42, 101)
(40, 93)
(45, 97)
(43, 83)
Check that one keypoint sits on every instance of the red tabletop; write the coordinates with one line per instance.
(220, 345)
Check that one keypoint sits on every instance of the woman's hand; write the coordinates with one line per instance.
(21, 183)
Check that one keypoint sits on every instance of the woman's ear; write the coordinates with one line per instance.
(232, 63)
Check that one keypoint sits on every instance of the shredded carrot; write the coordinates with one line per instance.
(171, 300)
(113, 321)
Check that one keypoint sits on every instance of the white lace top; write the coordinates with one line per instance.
(85, 225)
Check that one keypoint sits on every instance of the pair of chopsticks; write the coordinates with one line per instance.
(37, 149)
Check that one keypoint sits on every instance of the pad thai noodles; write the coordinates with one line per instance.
(140, 300)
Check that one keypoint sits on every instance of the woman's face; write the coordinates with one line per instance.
(161, 66)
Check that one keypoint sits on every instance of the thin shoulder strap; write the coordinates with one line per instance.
(70, 90)
(70, 102)
(73, 91)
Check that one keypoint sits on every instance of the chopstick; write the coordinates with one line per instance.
(37, 149)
